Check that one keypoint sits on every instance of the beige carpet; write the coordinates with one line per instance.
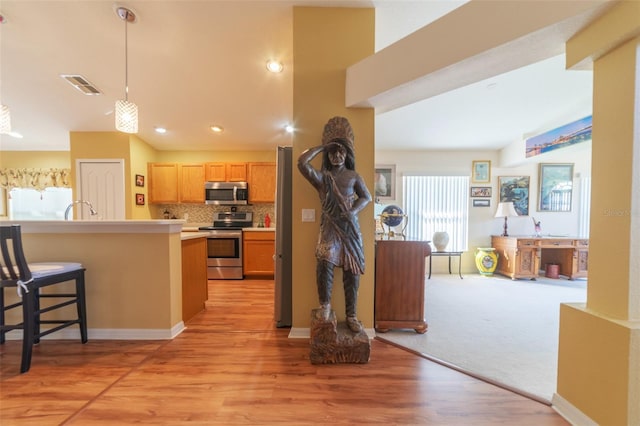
(494, 328)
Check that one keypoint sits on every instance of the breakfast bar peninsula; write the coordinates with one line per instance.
(134, 284)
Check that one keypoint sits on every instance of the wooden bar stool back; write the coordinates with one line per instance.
(29, 281)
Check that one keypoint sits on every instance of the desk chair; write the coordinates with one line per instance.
(29, 280)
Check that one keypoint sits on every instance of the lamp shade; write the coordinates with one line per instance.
(126, 116)
(506, 210)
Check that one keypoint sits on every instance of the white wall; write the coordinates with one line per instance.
(508, 162)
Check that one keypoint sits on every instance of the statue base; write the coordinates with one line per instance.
(333, 343)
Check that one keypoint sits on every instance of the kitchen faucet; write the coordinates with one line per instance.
(91, 209)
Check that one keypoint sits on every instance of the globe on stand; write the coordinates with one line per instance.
(393, 216)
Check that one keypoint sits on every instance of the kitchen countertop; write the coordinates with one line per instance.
(190, 235)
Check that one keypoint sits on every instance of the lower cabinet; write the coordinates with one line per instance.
(399, 285)
(259, 248)
(194, 277)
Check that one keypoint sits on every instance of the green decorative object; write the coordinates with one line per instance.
(486, 260)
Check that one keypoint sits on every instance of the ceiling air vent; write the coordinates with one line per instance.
(82, 84)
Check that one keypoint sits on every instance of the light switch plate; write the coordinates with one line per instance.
(308, 215)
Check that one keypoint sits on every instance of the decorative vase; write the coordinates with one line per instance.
(440, 240)
(486, 260)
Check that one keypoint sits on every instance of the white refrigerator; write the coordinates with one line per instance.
(283, 260)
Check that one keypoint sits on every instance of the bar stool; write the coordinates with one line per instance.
(29, 280)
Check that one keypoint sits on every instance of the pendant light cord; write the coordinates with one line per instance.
(126, 58)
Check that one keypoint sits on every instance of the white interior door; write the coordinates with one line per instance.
(101, 182)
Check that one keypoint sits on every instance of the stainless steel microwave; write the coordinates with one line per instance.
(226, 193)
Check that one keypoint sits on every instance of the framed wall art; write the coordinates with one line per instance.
(481, 191)
(481, 203)
(139, 180)
(385, 182)
(515, 189)
(139, 199)
(556, 187)
(481, 171)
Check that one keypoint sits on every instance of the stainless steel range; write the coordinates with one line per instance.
(224, 245)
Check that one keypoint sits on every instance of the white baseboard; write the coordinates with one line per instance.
(305, 333)
(570, 412)
(110, 334)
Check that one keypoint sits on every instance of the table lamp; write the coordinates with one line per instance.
(506, 210)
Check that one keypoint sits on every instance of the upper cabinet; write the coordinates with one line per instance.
(226, 172)
(262, 182)
(192, 178)
(163, 183)
(171, 183)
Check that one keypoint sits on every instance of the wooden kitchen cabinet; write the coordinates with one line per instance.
(191, 183)
(262, 182)
(215, 172)
(163, 183)
(226, 172)
(194, 277)
(236, 172)
(399, 285)
(259, 248)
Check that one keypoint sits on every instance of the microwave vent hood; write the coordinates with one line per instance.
(226, 193)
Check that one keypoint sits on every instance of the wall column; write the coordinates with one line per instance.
(599, 350)
(325, 42)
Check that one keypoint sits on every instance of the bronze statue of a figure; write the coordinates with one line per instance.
(343, 195)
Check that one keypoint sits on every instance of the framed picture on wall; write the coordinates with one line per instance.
(556, 187)
(481, 191)
(139, 180)
(139, 199)
(481, 203)
(481, 171)
(515, 189)
(385, 182)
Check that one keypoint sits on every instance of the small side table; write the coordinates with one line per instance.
(449, 254)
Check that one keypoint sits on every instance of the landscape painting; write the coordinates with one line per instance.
(516, 190)
(564, 136)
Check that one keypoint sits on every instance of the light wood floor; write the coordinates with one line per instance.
(232, 366)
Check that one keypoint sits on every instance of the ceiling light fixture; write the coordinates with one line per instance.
(126, 112)
(289, 128)
(217, 129)
(161, 130)
(274, 66)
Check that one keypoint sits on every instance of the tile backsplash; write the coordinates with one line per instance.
(203, 213)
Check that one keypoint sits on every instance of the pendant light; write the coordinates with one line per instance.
(126, 112)
(5, 120)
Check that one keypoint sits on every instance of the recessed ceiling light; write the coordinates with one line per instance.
(217, 129)
(161, 130)
(275, 66)
(289, 128)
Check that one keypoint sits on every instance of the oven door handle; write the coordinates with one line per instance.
(225, 234)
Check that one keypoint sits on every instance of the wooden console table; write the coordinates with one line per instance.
(399, 285)
(450, 254)
(522, 256)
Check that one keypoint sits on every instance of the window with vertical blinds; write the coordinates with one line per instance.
(584, 212)
(437, 203)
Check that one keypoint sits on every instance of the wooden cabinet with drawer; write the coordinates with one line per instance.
(517, 257)
(258, 250)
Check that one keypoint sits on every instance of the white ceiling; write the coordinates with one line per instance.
(196, 63)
